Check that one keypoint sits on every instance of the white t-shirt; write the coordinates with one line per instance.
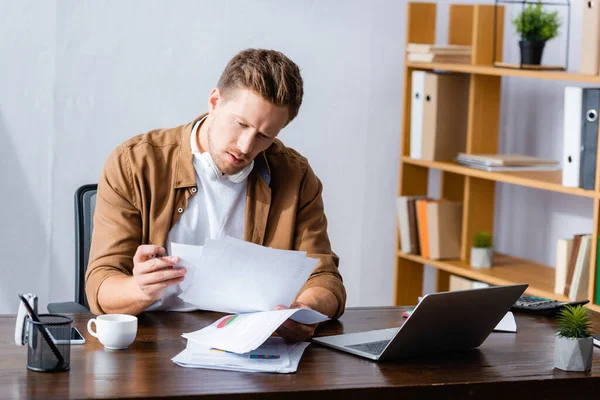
(218, 208)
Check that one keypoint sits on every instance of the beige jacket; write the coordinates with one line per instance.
(147, 181)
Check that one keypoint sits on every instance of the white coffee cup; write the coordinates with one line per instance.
(114, 331)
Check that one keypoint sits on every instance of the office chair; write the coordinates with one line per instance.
(85, 203)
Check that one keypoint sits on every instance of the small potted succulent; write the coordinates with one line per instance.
(536, 26)
(482, 251)
(574, 344)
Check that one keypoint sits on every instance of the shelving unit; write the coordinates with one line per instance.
(473, 25)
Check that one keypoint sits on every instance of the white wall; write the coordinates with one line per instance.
(78, 78)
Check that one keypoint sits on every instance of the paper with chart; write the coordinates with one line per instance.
(272, 356)
(243, 333)
(234, 276)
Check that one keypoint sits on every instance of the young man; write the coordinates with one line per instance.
(223, 173)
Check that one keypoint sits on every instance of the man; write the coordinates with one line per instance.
(223, 173)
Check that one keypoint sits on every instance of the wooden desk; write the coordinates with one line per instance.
(507, 365)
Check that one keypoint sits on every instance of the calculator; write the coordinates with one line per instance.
(542, 305)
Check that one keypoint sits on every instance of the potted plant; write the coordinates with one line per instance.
(482, 251)
(574, 344)
(536, 26)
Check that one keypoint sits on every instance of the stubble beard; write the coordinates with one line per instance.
(219, 159)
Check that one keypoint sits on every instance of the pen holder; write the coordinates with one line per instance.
(49, 343)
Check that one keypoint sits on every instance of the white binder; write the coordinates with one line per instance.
(572, 136)
(416, 114)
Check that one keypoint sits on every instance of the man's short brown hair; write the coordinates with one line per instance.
(268, 73)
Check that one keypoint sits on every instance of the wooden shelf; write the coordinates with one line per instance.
(474, 26)
(545, 180)
(507, 270)
(498, 71)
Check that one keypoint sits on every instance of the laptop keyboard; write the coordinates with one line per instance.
(370, 347)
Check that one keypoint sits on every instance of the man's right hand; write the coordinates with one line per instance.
(154, 273)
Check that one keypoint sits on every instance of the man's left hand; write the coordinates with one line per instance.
(293, 331)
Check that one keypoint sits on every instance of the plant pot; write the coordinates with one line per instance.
(481, 257)
(531, 51)
(573, 354)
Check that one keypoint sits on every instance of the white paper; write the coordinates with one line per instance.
(234, 276)
(189, 257)
(273, 356)
(507, 324)
(243, 333)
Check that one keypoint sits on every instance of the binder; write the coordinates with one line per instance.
(572, 136)
(444, 226)
(416, 113)
(589, 138)
(590, 38)
(445, 113)
(580, 136)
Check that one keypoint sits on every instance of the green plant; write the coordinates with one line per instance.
(574, 322)
(536, 24)
(483, 239)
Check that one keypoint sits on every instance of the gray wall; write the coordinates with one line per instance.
(78, 78)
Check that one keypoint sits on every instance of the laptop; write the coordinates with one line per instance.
(441, 322)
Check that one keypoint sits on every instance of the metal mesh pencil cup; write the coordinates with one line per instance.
(48, 343)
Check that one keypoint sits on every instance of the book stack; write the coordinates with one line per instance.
(441, 53)
(506, 162)
(429, 228)
(573, 267)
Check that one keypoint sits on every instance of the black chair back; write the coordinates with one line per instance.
(85, 204)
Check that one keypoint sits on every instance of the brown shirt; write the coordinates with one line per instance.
(147, 181)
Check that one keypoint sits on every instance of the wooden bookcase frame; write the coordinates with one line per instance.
(473, 25)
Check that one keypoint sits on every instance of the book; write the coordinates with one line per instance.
(511, 168)
(572, 262)
(406, 220)
(440, 58)
(421, 208)
(579, 282)
(563, 252)
(504, 159)
(438, 48)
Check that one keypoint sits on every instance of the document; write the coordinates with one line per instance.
(272, 356)
(243, 333)
(234, 276)
(507, 323)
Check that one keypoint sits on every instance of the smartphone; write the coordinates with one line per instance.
(76, 337)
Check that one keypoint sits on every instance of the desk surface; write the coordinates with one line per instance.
(504, 365)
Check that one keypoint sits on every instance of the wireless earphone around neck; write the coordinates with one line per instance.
(211, 170)
(213, 173)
